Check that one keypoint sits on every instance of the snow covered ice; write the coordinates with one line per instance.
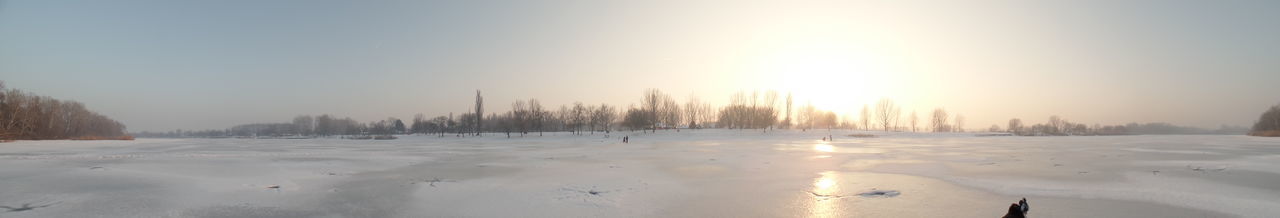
(691, 173)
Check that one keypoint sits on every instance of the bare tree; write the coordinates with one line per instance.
(1055, 125)
(940, 120)
(887, 113)
(605, 115)
(959, 123)
(479, 112)
(537, 115)
(652, 101)
(807, 116)
(914, 120)
(1015, 126)
(866, 118)
(520, 117)
(706, 115)
(693, 112)
(670, 112)
(786, 122)
(578, 116)
(770, 108)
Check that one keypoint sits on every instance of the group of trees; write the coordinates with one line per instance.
(525, 117)
(750, 112)
(941, 121)
(810, 117)
(887, 116)
(659, 111)
(26, 116)
(1268, 124)
(1056, 126)
(302, 126)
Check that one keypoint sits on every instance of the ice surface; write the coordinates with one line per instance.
(700, 173)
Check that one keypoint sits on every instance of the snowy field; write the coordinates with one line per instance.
(707, 173)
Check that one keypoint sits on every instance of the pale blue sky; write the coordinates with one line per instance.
(161, 65)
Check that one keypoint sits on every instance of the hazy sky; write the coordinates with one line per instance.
(162, 65)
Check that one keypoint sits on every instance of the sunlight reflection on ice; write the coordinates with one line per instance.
(826, 189)
(824, 147)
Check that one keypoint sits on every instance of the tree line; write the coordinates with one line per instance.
(1057, 126)
(657, 110)
(27, 116)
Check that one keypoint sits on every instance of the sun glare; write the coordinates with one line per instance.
(824, 148)
(831, 77)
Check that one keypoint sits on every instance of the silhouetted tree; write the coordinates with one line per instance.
(479, 112)
(1015, 126)
(887, 113)
(1268, 124)
(939, 120)
(786, 122)
(914, 120)
(866, 118)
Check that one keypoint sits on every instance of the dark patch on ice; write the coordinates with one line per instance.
(26, 207)
(862, 135)
(822, 197)
(869, 194)
(431, 182)
(1203, 169)
(591, 191)
(880, 193)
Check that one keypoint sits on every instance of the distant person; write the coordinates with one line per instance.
(626, 139)
(1018, 210)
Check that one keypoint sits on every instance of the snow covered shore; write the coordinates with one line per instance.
(703, 173)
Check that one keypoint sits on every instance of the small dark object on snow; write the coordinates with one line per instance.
(274, 187)
(880, 193)
(1018, 210)
(626, 139)
(25, 207)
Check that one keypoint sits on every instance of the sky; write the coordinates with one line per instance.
(163, 65)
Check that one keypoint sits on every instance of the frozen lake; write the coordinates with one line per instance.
(706, 173)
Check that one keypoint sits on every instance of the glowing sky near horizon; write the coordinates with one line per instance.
(163, 65)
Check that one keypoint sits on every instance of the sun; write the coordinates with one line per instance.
(830, 77)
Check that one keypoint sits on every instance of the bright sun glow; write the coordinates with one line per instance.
(830, 76)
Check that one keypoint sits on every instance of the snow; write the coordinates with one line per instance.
(692, 173)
